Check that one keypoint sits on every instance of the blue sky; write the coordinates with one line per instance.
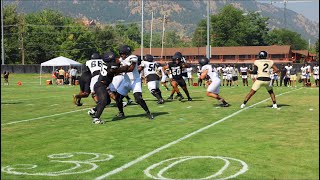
(308, 9)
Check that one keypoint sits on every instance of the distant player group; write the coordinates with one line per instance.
(109, 78)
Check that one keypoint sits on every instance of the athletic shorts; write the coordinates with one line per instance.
(115, 83)
(94, 79)
(224, 77)
(127, 85)
(316, 76)
(258, 84)
(303, 76)
(229, 77)
(153, 85)
(234, 78)
(189, 75)
(244, 76)
(254, 76)
(293, 77)
(163, 78)
(214, 87)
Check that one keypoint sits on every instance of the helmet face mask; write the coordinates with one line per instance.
(263, 55)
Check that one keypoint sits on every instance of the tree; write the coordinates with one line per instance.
(11, 34)
(233, 27)
(286, 37)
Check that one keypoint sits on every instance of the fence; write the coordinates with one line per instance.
(30, 68)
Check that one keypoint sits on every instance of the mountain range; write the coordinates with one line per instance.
(182, 15)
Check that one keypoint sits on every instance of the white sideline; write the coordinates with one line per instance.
(15, 122)
(125, 166)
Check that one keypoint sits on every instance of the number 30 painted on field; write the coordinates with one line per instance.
(14, 169)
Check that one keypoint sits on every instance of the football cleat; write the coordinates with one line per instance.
(91, 112)
(170, 98)
(176, 97)
(274, 106)
(150, 116)
(124, 104)
(119, 116)
(181, 98)
(161, 101)
(97, 121)
(225, 105)
(79, 104)
(189, 99)
(129, 102)
(242, 106)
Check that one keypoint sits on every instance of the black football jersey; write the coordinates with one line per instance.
(176, 70)
(108, 71)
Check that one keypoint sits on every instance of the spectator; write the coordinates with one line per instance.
(235, 74)
(6, 78)
(293, 77)
(61, 75)
(316, 74)
(283, 72)
(304, 74)
(73, 74)
(287, 78)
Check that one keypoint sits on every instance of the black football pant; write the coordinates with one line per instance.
(103, 98)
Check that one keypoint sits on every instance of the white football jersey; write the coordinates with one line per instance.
(303, 70)
(128, 61)
(148, 67)
(212, 74)
(94, 65)
(316, 70)
(243, 69)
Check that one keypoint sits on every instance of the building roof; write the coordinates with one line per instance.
(303, 52)
(234, 50)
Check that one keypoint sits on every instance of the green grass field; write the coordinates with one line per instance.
(45, 136)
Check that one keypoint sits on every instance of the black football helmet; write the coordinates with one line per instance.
(125, 49)
(177, 56)
(95, 56)
(148, 57)
(263, 55)
(109, 57)
(203, 61)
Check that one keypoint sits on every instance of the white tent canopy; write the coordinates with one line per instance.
(59, 61)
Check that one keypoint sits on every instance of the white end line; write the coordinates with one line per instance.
(125, 166)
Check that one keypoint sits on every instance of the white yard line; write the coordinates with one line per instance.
(42, 117)
(125, 166)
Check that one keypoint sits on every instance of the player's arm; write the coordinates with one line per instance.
(275, 69)
(204, 74)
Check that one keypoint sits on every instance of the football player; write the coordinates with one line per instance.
(131, 81)
(262, 67)
(214, 87)
(108, 70)
(189, 73)
(94, 65)
(164, 76)
(149, 69)
(176, 68)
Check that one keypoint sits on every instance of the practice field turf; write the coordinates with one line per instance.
(45, 136)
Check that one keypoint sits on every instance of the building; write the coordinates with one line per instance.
(235, 54)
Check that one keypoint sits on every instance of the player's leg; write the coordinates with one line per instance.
(214, 90)
(255, 87)
(183, 85)
(273, 97)
(103, 100)
(175, 88)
